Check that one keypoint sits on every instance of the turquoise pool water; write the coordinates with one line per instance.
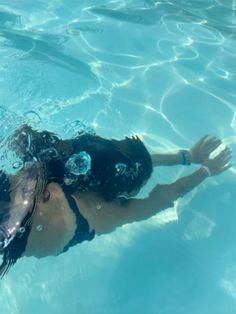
(165, 70)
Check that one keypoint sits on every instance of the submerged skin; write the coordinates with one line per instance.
(54, 222)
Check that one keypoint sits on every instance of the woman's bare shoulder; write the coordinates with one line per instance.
(53, 224)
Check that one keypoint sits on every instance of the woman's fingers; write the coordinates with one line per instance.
(214, 142)
(210, 144)
(202, 140)
(205, 146)
(225, 168)
(224, 156)
(222, 161)
(227, 157)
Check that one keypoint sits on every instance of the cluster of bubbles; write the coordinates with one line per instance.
(125, 170)
(77, 128)
(79, 164)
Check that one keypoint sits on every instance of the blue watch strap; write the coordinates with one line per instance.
(186, 157)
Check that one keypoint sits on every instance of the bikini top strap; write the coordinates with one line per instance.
(82, 232)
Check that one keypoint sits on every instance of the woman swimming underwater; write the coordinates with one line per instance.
(68, 191)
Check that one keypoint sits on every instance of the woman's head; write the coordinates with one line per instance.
(117, 168)
(114, 168)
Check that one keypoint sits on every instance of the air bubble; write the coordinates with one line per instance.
(49, 153)
(32, 116)
(68, 181)
(17, 165)
(120, 168)
(39, 227)
(79, 164)
(77, 128)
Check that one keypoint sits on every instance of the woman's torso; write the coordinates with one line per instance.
(54, 222)
(53, 225)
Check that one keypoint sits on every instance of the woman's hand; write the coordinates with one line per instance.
(220, 163)
(203, 148)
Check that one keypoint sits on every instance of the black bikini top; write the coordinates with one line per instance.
(82, 232)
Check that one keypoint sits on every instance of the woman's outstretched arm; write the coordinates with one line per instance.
(196, 154)
(164, 196)
(161, 197)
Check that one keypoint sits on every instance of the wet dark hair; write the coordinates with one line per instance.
(118, 167)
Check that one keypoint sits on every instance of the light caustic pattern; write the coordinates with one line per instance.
(171, 49)
(166, 62)
(163, 69)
